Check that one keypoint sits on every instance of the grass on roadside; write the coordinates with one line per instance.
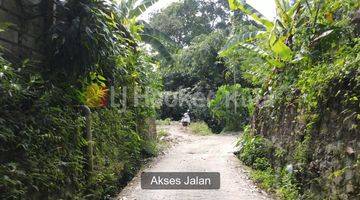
(163, 122)
(162, 133)
(256, 152)
(200, 128)
(162, 141)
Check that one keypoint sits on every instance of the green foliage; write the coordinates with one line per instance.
(166, 121)
(254, 150)
(129, 12)
(115, 138)
(303, 48)
(185, 20)
(279, 153)
(261, 164)
(257, 152)
(151, 148)
(42, 144)
(310, 53)
(287, 189)
(159, 41)
(200, 60)
(162, 133)
(266, 178)
(307, 59)
(42, 129)
(196, 72)
(282, 183)
(302, 149)
(233, 104)
(274, 47)
(248, 10)
(134, 8)
(313, 82)
(175, 104)
(195, 75)
(200, 128)
(85, 35)
(41, 157)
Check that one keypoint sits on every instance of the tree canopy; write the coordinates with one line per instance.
(185, 20)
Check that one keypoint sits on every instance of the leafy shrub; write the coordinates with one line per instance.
(41, 128)
(41, 146)
(282, 183)
(233, 104)
(266, 178)
(287, 188)
(314, 71)
(200, 128)
(254, 150)
(116, 142)
(166, 121)
(150, 148)
(261, 164)
(302, 149)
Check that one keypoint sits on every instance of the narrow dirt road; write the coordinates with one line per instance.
(198, 154)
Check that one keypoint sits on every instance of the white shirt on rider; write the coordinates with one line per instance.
(186, 118)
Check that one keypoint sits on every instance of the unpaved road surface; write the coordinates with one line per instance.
(194, 153)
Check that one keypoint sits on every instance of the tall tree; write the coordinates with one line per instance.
(185, 20)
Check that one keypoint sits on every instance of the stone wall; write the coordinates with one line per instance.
(24, 23)
(322, 147)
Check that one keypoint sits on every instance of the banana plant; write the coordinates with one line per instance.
(160, 41)
(277, 34)
(132, 9)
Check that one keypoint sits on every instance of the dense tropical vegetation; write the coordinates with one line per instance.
(307, 70)
(93, 55)
(290, 84)
(286, 78)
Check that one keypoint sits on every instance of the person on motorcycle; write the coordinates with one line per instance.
(186, 119)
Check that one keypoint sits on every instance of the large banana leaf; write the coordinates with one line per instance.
(281, 50)
(125, 6)
(293, 9)
(141, 8)
(148, 30)
(256, 49)
(237, 39)
(281, 12)
(158, 46)
(252, 12)
(158, 40)
(134, 8)
(276, 32)
(131, 9)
